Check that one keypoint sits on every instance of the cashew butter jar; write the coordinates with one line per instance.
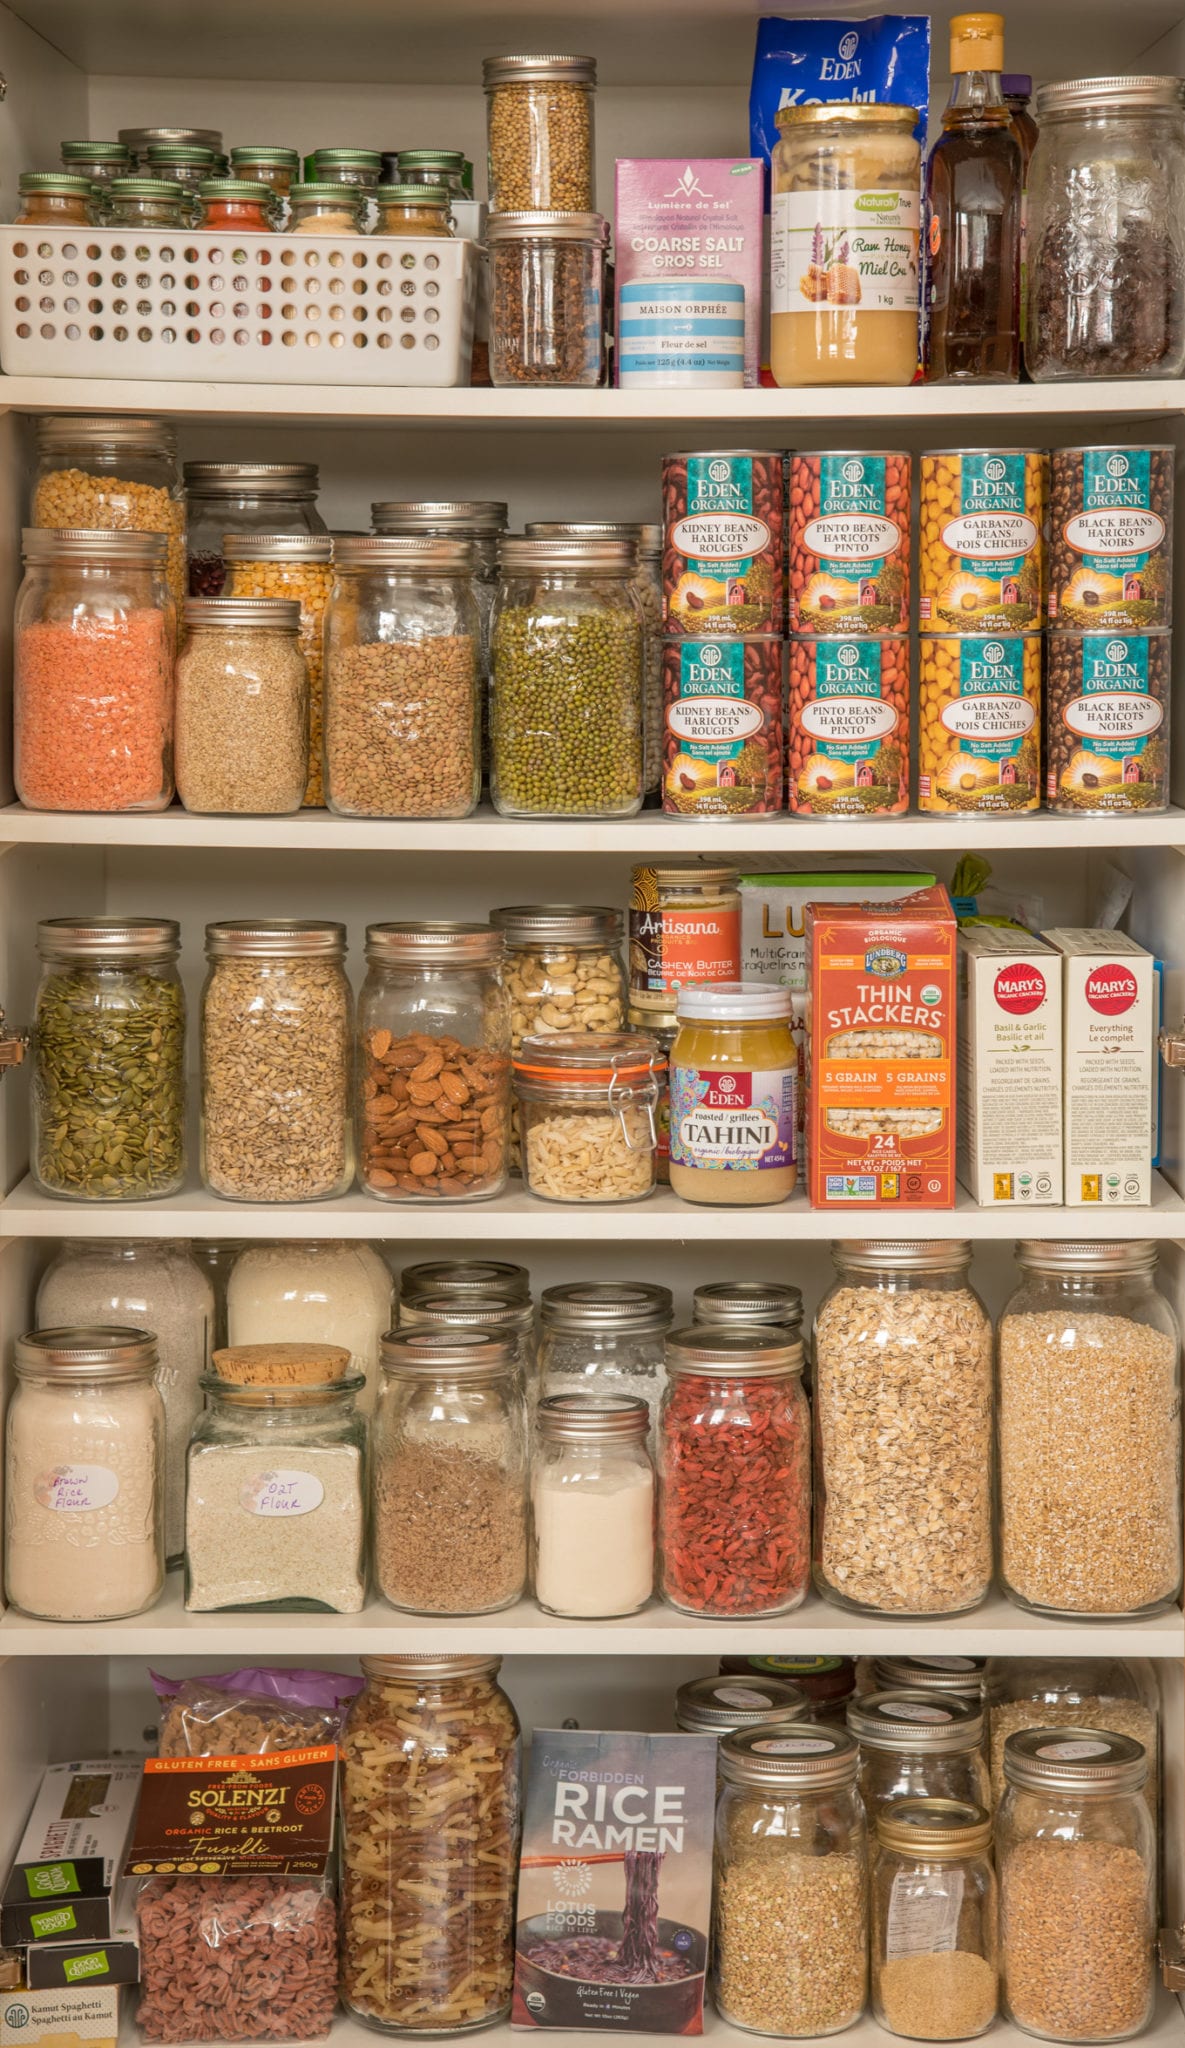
(734, 1074)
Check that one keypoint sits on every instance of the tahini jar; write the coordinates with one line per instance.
(592, 1501)
(734, 1075)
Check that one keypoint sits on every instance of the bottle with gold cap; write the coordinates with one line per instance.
(974, 182)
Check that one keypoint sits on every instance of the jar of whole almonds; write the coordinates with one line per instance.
(433, 1111)
(242, 708)
(297, 566)
(116, 474)
(276, 1058)
(539, 112)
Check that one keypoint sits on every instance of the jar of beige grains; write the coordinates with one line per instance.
(935, 1971)
(242, 707)
(299, 567)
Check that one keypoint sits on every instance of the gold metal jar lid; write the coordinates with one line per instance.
(538, 70)
(464, 1312)
(618, 1307)
(1083, 1761)
(580, 925)
(917, 1255)
(935, 1830)
(281, 938)
(442, 943)
(108, 938)
(846, 114)
(430, 1665)
(277, 547)
(747, 1301)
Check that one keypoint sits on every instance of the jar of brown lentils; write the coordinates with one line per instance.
(540, 128)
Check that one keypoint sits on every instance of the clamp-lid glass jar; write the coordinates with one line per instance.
(726, 1302)
(586, 1103)
(242, 707)
(413, 210)
(734, 1082)
(402, 670)
(360, 168)
(734, 1469)
(915, 1745)
(845, 212)
(117, 474)
(275, 1503)
(266, 164)
(592, 1506)
(54, 199)
(433, 167)
(433, 1110)
(935, 1968)
(539, 112)
(790, 1921)
(604, 1337)
(235, 206)
(186, 164)
(98, 163)
(566, 686)
(1106, 230)
(722, 1704)
(547, 297)
(147, 203)
(93, 672)
(905, 1521)
(1076, 1856)
(244, 497)
(276, 1057)
(320, 208)
(108, 1059)
(1090, 1435)
(84, 1480)
(450, 1473)
(300, 567)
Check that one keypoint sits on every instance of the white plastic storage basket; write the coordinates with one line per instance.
(252, 309)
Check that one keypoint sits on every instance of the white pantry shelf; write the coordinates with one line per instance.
(755, 413)
(766, 841)
(815, 1629)
(519, 1218)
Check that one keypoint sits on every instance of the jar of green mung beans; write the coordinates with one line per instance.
(566, 679)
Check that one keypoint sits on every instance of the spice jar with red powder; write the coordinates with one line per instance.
(238, 205)
(93, 672)
(734, 1473)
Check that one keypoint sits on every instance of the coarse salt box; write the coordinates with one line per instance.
(1109, 1066)
(688, 236)
(1010, 1067)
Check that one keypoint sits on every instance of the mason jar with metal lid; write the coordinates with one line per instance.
(566, 683)
(721, 1705)
(466, 1278)
(961, 1678)
(478, 520)
(919, 1745)
(402, 675)
(748, 1301)
(905, 1523)
(540, 126)
(1076, 1856)
(1119, 1694)
(276, 1057)
(242, 707)
(592, 1506)
(586, 1101)
(450, 1472)
(1090, 1438)
(734, 1467)
(648, 584)
(433, 1104)
(790, 1921)
(147, 203)
(1106, 230)
(108, 1060)
(54, 199)
(434, 167)
(447, 1965)
(234, 206)
(244, 497)
(297, 566)
(935, 1966)
(138, 141)
(462, 1310)
(604, 1337)
(94, 633)
(84, 1481)
(114, 473)
(547, 297)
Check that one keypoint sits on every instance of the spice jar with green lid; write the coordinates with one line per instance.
(234, 206)
(147, 203)
(918, 1745)
(567, 662)
(933, 1937)
(539, 112)
(54, 199)
(419, 209)
(434, 167)
(720, 1705)
(547, 296)
(97, 162)
(266, 164)
(187, 164)
(108, 1060)
(362, 168)
(317, 207)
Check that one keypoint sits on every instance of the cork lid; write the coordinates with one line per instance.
(281, 1365)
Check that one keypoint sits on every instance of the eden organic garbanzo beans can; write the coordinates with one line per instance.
(981, 565)
(979, 723)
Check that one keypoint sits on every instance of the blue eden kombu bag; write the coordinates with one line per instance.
(884, 60)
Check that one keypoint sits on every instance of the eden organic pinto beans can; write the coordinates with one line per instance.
(722, 727)
(723, 542)
(981, 552)
(849, 543)
(848, 729)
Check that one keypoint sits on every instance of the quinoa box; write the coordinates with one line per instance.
(1010, 1067)
(880, 1015)
(1110, 1066)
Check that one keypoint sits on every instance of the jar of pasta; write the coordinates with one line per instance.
(430, 1769)
(116, 474)
(586, 1102)
(298, 566)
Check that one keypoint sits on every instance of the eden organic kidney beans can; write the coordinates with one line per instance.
(723, 542)
(722, 727)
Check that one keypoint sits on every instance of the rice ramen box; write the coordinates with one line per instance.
(615, 1883)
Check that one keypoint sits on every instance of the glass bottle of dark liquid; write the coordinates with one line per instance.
(974, 181)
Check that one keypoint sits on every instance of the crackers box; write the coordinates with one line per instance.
(1010, 1067)
(881, 1053)
(1110, 1066)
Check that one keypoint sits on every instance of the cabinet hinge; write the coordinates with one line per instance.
(1172, 1958)
(1172, 1045)
(13, 1045)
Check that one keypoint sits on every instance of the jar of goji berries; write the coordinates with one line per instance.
(734, 1473)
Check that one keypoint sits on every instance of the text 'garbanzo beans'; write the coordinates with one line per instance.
(981, 558)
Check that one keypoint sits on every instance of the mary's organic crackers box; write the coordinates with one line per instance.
(1109, 1066)
(881, 1052)
(1010, 1067)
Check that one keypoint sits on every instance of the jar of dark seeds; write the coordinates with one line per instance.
(540, 120)
(108, 1093)
(547, 293)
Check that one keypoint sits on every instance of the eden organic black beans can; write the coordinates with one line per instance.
(722, 727)
(1107, 722)
(1111, 539)
(723, 542)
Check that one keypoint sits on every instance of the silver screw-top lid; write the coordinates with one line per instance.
(466, 1277)
(414, 553)
(718, 1705)
(538, 70)
(918, 1255)
(804, 1757)
(564, 924)
(430, 1665)
(521, 557)
(255, 614)
(430, 515)
(1087, 1259)
(961, 1676)
(277, 547)
(1139, 93)
(449, 1354)
(591, 1418)
(252, 479)
(741, 1351)
(82, 1352)
(442, 943)
(747, 1301)
(140, 139)
(60, 431)
(907, 1720)
(464, 1312)
(274, 938)
(619, 1307)
(584, 529)
(93, 544)
(1076, 1760)
(108, 938)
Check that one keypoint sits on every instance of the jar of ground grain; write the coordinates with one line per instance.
(539, 112)
(276, 1059)
(275, 1507)
(298, 567)
(402, 675)
(450, 1473)
(116, 474)
(54, 199)
(1076, 1856)
(790, 1924)
(413, 210)
(93, 672)
(273, 498)
(325, 1292)
(1090, 1438)
(547, 297)
(108, 1060)
(604, 1337)
(906, 1520)
(242, 707)
(918, 1745)
(430, 1769)
(592, 1506)
(84, 1480)
(934, 1940)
